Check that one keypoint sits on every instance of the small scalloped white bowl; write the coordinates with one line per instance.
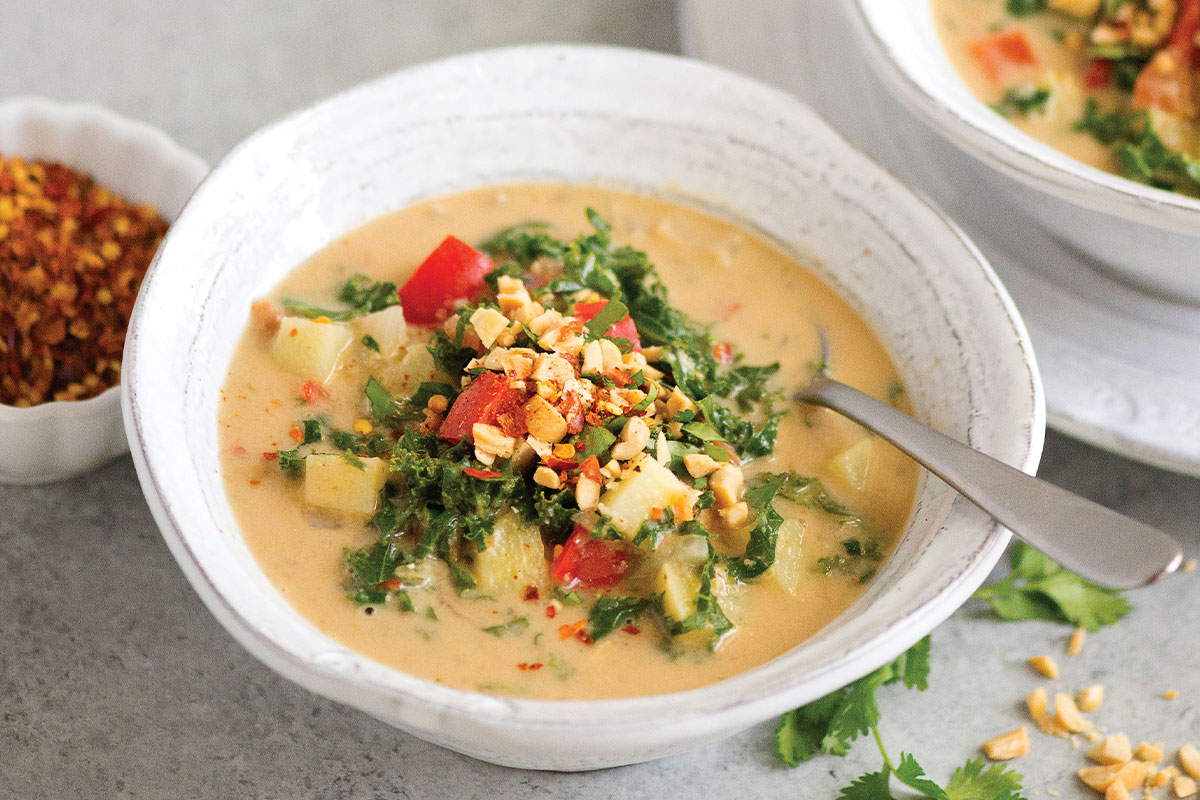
(634, 120)
(1146, 236)
(58, 440)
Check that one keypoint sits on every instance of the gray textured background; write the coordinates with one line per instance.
(116, 682)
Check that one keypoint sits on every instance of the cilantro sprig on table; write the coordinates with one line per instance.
(1035, 588)
(831, 724)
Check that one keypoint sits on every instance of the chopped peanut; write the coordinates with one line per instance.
(1112, 749)
(1075, 644)
(699, 464)
(544, 421)
(678, 401)
(587, 493)
(1149, 751)
(1163, 777)
(552, 369)
(491, 440)
(1117, 791)
(634, 438)
(1045, 665)
(1184, 786)
(1189, 759)
(544, 476)
(1090, 698)
(1008, 745)
(1170, 694)
(736, 514)
(363, 427)
(1130, 773)
(1067, 714)
(1036, 702)
(726, 483)
(593, 359)
(488, 324)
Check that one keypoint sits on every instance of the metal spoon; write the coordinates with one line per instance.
(1086, 538)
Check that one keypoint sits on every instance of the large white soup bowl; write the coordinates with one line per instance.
(633, 120)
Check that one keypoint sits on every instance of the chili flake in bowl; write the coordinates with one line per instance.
(85, 199)
(72, 255)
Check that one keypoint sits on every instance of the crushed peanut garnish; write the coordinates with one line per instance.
(1045, 665)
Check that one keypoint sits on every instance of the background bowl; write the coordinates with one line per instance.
(633, 120)
(1147, 236)
(58, 440)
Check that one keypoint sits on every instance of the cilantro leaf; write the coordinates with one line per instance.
(1037, 588)
(800, 732)
(910, 773)
(610, 613)
(1024, 8)
(363, 295)
(1021, 101)
(972, 782)
(514, 626)
(871, 786)
(383, 404)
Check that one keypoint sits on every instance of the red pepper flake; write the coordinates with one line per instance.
(631, 629)
(270, 455)
(313, 391)
(574, 629)
(656, 514)
(531, 593)
(534, 666)
(591, 468)
(723, 352)
(551, 612)
(482, 474)
(561, 464)
(72, 257)
(296, 433)
(583, 637)
(255, 482)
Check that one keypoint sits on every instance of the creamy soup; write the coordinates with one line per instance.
(1112, 84)
(620, 535)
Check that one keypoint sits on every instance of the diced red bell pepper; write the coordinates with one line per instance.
(623, 329)
(482, 401)
(453, 271)
(1166, 80)
(998, 53)
(587, 562)
(481, 474)
(1099, 74)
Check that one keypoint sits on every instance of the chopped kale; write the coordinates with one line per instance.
(1021, 101)
(610, 613)
(363, 295)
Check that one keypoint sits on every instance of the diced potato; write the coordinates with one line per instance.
(311, 349)
(513, 559)
(1077, 8)
(644, 486)
(403, 378)
(387, 328)
(679, 584)
(787, 570)
(332, 482)
(852, 466)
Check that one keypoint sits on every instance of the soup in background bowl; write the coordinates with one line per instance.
(667, 128)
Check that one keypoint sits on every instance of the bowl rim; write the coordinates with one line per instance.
(645, 712)
(62, 113)
(1010, 150)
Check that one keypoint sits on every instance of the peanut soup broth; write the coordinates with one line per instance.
(665, 549)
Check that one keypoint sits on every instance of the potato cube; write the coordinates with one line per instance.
(852, 466)
(332, 482)
(514, 559)
(309, 348)
(787, 570)
(678, 584)
(644, 486)
(416, 367)
(387, 328)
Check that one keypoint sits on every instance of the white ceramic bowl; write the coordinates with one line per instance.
(1147, 236)
(55, 440)
(654, 123)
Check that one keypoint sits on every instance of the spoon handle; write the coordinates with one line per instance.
(1095, 542)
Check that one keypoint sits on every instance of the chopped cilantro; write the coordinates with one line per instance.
(363, 295)
(368, 341)
(1021, 101)
(1024, 8)
(514, 626)
(1037, 588)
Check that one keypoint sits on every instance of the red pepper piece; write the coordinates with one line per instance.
(482, 474)
(723, 352)
(1099, 74)
(624, 329)
(590, 563)
(487, 395)
(999, 52)
(313, 391)
(453, 271)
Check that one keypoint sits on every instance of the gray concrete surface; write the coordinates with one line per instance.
(116, 682)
